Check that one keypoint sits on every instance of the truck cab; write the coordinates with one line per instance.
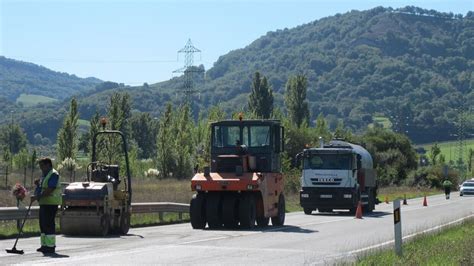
(337, 176)
(254, 145)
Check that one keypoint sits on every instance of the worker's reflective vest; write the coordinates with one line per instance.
(55, 197)
(447, 184)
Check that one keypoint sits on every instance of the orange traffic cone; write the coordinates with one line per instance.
(386, 199)
(425, 203)
(359, 211)
(405, 199)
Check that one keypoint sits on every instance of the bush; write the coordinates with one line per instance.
(431, 176)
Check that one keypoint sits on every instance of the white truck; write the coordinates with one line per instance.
(337, 176)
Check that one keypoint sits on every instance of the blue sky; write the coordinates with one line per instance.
(137, 41)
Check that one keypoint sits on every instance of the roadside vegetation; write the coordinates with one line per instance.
(452, 246)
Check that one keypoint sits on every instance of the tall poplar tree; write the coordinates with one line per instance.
(261, 97)
(166, 155)
(185, 149)
(94, 128)
(67, 135)
(144, 131)
(322, 129)
(295, 100)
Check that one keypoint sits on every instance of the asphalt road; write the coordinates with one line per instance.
(305, 239)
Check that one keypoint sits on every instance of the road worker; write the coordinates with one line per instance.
(447, 187)
(48, 194)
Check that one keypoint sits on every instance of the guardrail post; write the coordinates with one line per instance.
(180, 216)
(160, 216)
(397, 220)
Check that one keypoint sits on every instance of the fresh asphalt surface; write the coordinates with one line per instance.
(305, 239)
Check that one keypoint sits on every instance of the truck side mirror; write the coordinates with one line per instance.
(359, 162)
(298, 159)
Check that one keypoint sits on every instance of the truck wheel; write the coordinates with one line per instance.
(307, 211)
(214, 210)
(230, 211)
(197, 211)
(247, 211)
(263, 221)
(352, 210)
(280, 218)
(370, 206)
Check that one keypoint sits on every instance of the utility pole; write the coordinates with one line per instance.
(461, 113)
(189, 69)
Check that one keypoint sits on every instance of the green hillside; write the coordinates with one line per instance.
(21, 77)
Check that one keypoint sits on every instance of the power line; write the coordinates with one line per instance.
(92, 61)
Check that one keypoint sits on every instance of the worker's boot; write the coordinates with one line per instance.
(43, 243)
(49, 250)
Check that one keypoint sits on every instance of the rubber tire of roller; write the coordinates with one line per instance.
(279, 220)
(247, 211)
(197, 211)
(214, 210)
(230, 211)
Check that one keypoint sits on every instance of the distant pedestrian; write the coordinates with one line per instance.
(447, 187)
(48, 194)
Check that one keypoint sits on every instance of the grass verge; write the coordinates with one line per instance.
(453, 246)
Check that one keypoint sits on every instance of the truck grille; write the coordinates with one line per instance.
(326, 181)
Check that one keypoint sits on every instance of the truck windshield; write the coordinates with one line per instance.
(230, 136)
(328, 161)
(259, 136)
(226, 136)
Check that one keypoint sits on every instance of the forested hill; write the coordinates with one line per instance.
(411, 65)
(19, 77)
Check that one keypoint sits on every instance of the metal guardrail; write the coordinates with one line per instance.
(13, 213)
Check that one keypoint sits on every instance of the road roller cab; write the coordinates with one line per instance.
(243, 184)
(101, 203)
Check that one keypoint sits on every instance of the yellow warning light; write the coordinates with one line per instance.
(103, 122)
